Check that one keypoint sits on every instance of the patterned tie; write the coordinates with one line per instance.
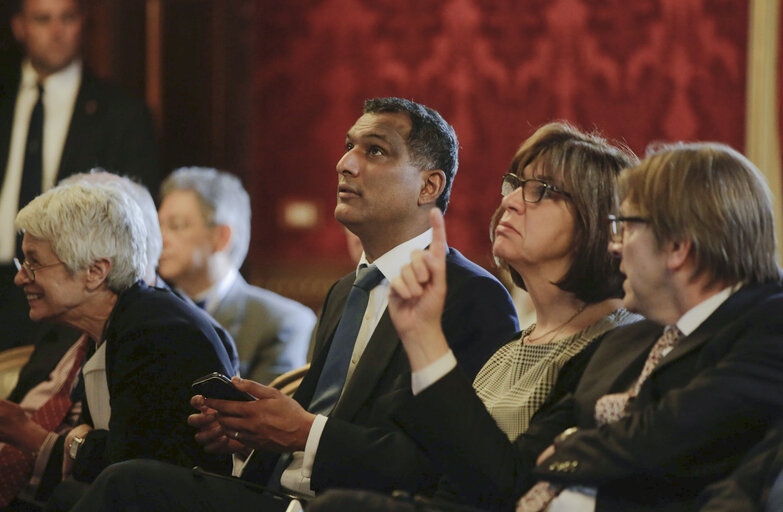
(608, 409)
(32, 171)
(16, 466)
(332, 378)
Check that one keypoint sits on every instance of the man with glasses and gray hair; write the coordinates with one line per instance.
(205, 221)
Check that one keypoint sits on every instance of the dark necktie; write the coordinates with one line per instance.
(332, 378)
(32, 171)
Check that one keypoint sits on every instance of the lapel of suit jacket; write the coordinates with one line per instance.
(9, 88)
(228, 308)
(621, 355)
(84, 108)
(725, 317)
(376, 356)
(325, 329)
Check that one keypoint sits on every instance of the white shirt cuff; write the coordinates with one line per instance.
(433, 372)
(239, 463)
(311, 447)
(574, 498)
(296, 477)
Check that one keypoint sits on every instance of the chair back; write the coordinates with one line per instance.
(11, 363)
(289, 382)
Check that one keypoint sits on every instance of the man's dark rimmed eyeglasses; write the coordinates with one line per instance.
(533, 190)
(616, 223)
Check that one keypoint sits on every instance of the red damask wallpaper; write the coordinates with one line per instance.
(640, 71)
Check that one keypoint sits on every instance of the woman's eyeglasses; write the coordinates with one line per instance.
(28, 269)
(533, 190)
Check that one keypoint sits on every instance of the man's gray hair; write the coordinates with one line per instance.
(143, 198)
(85, 222)
(222, 201)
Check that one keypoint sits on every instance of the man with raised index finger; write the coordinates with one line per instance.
(400, 159)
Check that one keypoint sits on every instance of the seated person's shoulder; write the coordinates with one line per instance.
(462, 272)
(637, 325)
(142, 305)
(639, 332)
(458, 263)
(261, 299)
(770, 303)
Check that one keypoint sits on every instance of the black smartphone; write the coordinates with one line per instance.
(217, 385)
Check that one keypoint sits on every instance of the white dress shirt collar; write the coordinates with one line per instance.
(213, 295)
(391, 263)
(64, 82)
(695, 316)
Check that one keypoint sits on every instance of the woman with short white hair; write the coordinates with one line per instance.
(85, 253)
(88, 226)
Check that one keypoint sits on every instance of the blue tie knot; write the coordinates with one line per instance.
(368, 278)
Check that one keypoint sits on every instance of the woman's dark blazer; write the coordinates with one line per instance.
(157, 345)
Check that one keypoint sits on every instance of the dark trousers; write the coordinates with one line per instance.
(146, 486)
(340, 500)
(149, 486)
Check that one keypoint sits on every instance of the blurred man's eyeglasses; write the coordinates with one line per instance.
(617, 223)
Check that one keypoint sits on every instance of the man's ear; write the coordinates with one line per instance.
(677, 254)
(432, 185)
(221, 237)
(97, 273)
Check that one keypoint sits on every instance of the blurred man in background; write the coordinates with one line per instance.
(205, 221)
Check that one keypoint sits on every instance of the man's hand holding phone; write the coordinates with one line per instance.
(211, 434)
(259, 417)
